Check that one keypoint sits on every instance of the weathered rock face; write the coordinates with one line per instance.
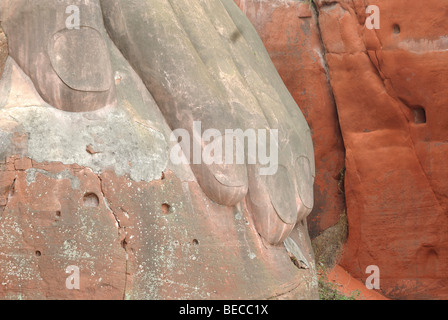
(87, 180)
(390, 89)
(3, 50)
(290, 33)
(58, 216)
(136, 227)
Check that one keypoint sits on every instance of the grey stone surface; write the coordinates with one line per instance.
(108, 123)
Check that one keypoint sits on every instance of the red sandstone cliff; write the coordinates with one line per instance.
(389, 87)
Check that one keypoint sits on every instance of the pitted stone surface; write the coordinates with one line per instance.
(81, 164)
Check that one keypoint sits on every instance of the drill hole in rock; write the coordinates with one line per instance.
(419, 115)
(235, 36)
(166, 208)
(58, 214)
(91, 200)
(397, 29)
(195, 242)
(38, 253)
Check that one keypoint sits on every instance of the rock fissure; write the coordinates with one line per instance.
(8, 197)
(122, 234)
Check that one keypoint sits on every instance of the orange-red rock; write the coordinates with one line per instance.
(351, 287)
(389, 86)
(47, 227)
(126, 246)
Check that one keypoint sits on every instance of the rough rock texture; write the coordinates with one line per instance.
(55, 216)
(384, 83)
(97, 190)
(133, 235)
(390, 93)
(290, 33)
(219, 75)
(49, 54)
(349, 286)
(3, 50)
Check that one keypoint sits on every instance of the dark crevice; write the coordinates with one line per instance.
(378, 66)
(11, 190)
(316, 13)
